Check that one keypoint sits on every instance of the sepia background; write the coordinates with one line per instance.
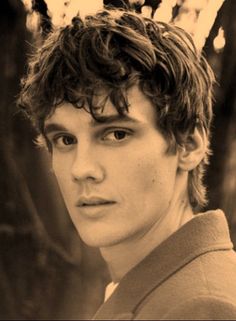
(46, 272)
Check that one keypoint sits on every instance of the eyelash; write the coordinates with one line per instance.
(110, 131)
(56, 143)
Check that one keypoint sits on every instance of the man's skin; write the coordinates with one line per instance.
(124, 191)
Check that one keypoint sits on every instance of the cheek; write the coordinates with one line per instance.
(147, 173)
(58, 168)
(151, 178)
(61, 170)
(146, 176)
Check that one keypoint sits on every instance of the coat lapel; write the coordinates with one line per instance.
(206, 232)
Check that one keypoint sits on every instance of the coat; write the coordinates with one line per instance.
(191, 275)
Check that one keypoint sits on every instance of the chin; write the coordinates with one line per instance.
(100, 239)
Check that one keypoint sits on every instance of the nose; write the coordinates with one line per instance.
(86, 166)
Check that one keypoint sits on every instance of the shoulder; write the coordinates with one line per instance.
(203, 288)
(203, 307)
(199, 307)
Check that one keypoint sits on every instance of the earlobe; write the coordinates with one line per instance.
(193, 150)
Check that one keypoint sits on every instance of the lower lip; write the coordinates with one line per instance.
(95, 211)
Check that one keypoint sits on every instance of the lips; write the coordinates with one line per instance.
(93, 201)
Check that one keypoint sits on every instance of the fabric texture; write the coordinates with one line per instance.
(190, 276)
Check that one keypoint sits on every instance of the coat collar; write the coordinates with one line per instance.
(204, 233)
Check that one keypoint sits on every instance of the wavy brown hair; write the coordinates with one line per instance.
(110, 52)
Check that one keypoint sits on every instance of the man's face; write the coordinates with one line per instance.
(116, 177)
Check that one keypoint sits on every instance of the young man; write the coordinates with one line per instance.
(123, 104)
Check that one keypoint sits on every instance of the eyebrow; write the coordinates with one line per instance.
(112, 119)
(53, 127)
(101, 120)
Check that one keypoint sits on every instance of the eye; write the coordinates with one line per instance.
(67, 140)
(116, 135)
(63, 141)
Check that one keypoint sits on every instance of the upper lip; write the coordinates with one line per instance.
(93, 200)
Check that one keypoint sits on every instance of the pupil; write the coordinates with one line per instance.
(119, 134)
(67, 140)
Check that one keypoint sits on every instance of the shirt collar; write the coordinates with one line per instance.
(110, 288)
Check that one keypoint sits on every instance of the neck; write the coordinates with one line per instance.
(123, 257)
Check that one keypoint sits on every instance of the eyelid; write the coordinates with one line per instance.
(114, 128)
(54, 139)
(55, 135)
(108, 130)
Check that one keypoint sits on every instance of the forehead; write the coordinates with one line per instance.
(140, 110)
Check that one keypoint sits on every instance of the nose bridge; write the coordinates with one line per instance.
(86, 164)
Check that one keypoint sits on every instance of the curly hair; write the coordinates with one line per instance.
(113, 50)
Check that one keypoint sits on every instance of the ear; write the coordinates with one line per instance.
(193, 150)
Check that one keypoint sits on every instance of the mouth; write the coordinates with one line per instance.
(96, 204)
(93, 202)
(94, 207)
